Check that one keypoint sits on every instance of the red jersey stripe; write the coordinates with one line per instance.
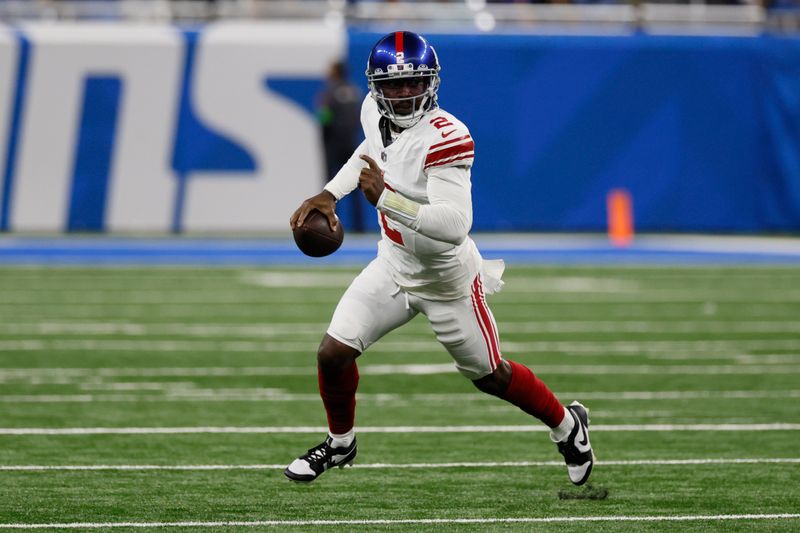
(458, 155)
(460, 146)
(451, 151)
(449, 141)
(470, 155)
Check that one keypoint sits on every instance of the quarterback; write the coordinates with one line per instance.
(414, 167)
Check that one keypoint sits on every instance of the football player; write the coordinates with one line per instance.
(414, 167)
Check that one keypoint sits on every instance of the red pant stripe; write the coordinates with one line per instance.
(485, 336)
(485, 321)
(490, 321)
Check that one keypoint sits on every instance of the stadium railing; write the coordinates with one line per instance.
(475, 14)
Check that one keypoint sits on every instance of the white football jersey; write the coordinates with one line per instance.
(439, 147)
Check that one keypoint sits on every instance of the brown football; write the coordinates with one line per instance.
(315, 238)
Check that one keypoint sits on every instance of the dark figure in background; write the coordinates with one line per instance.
(339, 113)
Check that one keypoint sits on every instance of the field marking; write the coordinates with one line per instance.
(65, 376)
(654, 326)
(387, 429)
(513, 297)
(266, 330)
(583, 284)
(593, 347)
(594, 284)
(181, 393)
(269, 330)
(298, 279)
(409, 521)
(300, 313)
(495, 464)
(548, 284)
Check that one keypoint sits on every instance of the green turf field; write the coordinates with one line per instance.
(177, 395)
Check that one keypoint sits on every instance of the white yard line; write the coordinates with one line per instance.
(511, 296)
(409, 521)
(741, 358)
(684, 395)
(641, 326)
(298, 279)
(267, 313)
(496, 464)
(269, 330)
(592, 284)
(602, 284)
(593, 347)
(388, 429)
(181, 393)
(72, 375)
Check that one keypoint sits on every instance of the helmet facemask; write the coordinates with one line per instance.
(397, 109)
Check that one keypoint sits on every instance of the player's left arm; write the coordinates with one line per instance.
(448, 216)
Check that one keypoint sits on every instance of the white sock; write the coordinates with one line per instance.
(344, 440)
(562, 431)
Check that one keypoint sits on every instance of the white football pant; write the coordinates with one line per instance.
(374, 305)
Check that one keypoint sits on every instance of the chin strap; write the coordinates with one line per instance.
(385, 128)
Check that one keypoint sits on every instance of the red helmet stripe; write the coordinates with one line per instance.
(398, 42)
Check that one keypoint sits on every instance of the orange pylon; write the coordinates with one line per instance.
(620, 217)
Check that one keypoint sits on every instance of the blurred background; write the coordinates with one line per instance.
(155, 117)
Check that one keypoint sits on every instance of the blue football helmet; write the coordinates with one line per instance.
(398, 55)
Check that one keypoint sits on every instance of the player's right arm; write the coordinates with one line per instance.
(346, 180)
(342, 184)
(323, 202)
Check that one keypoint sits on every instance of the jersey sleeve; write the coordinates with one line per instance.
(447, 218)
(346, 180)
(455, 150)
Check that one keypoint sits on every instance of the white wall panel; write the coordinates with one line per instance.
(229, 94)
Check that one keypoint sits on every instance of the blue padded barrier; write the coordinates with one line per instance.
(703, 131)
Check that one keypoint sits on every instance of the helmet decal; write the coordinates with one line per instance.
(398, 45)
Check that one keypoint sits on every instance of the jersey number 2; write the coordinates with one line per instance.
(393, 234)
(440, 122)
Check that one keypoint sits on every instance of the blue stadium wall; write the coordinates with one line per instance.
(704, 132)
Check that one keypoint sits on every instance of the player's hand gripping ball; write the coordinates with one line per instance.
(315, 237)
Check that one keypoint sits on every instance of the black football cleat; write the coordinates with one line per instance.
(318, 459)
(576, 449)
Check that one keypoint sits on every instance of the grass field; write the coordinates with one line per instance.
(178, 395)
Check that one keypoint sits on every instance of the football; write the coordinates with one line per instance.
(315, 238)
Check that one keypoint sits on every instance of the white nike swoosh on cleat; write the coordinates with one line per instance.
(336, 459)
(583, 444)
